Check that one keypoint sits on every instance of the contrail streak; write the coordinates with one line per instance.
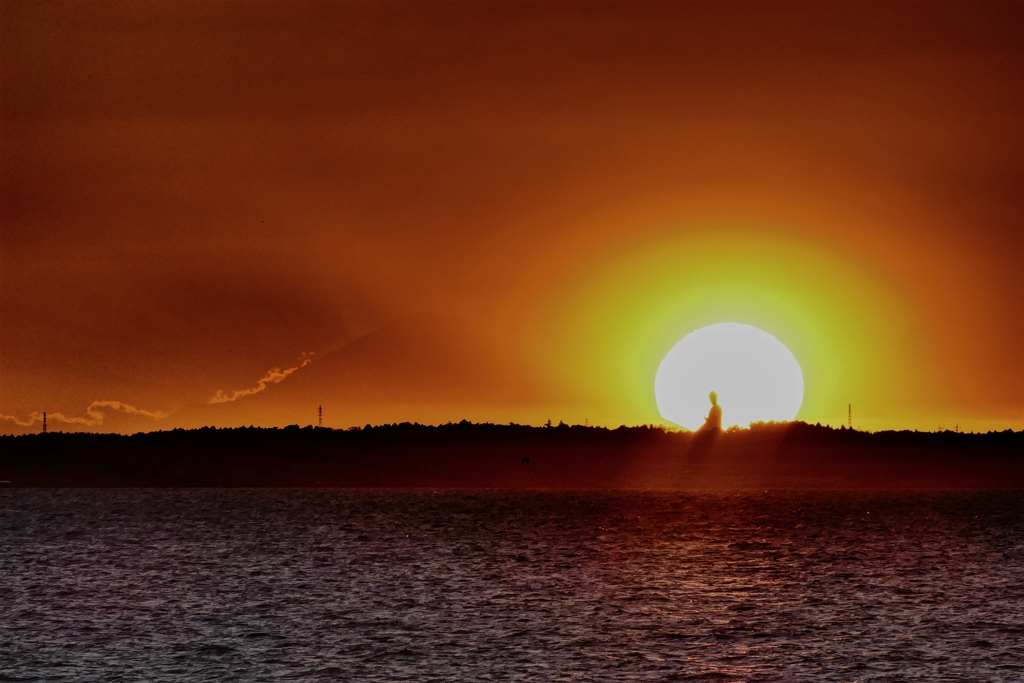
(273, 376)
(93, 415)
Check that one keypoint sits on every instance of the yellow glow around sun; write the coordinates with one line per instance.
(755, 375)
(599, 331)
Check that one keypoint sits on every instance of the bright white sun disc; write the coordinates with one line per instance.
(754, 374)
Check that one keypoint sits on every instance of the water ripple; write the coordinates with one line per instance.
(188, 585)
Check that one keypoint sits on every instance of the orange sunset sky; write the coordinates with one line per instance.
(232, 212)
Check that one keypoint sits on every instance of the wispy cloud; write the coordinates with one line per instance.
(24, 423)
(273, 376)
(94, 415)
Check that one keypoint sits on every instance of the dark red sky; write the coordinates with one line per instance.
(515, 199)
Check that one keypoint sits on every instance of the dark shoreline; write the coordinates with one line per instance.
(487, 456)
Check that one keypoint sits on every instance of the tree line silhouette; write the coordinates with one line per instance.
(484, 455)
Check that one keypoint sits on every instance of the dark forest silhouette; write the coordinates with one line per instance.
(466, 455)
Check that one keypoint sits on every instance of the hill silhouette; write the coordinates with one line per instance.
(466, 455)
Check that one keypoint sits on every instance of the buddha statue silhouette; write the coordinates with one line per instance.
(713, 423)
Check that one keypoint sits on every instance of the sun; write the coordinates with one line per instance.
(755, 375)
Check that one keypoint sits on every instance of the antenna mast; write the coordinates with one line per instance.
(44, 422)
(320, 417)
(849, 415)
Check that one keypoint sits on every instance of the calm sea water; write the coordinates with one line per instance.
(193, 585)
